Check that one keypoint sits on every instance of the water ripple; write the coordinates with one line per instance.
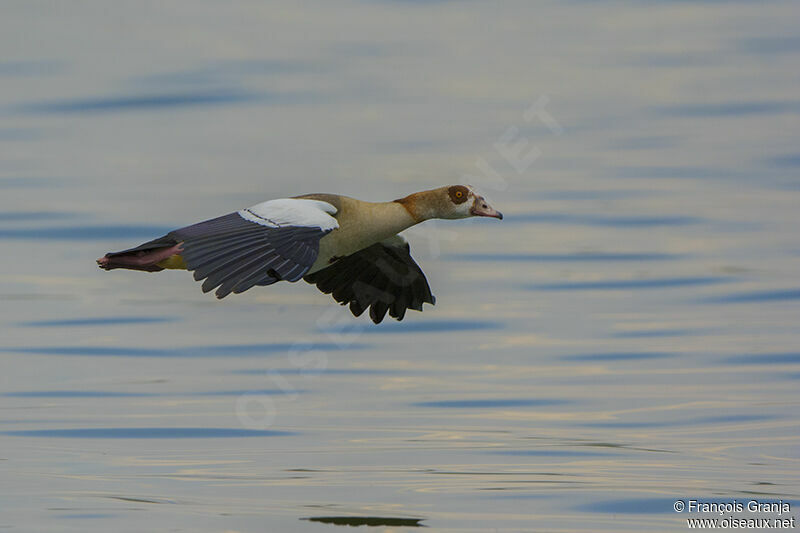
(85, 516)
(31, 182)
(115, 394)
(224, 71)
(84, 233)
(551, 453)
(631, 506)
(771, 45)
(369, 521)
(653, 333)
(629, 221)
(730, 109)
(656, 171)
(790, 358)
(431, 326)
(618, 356)
(580, 257)
(782, 295)
(146, 433)
(99, 321)
(700, 421)
(18, 69)
(23, 216)
(242, 350)
(491, 403)
(628, 284)
(76, 394)
(138, 102)
(785, 161)
(19, 134)
(323, 371)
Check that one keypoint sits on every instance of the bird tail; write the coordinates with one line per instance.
(152, 256)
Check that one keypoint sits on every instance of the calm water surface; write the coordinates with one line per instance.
(626, 337)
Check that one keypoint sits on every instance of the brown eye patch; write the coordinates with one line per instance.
(458, 194)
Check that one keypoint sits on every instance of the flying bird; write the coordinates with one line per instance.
(346, 247)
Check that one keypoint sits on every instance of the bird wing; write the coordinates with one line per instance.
(272, 241)
(383, 277)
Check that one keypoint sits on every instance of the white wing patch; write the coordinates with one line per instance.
(292, 212)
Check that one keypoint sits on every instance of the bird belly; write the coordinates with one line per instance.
(332, 247)
(360, 225)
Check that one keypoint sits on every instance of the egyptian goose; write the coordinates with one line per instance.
(346, 247)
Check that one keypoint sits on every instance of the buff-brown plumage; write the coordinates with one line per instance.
(349, 248)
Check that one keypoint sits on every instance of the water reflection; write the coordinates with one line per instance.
(328, 371)
(617, 356)
(86, 516)
(369, 521)
(83, 233)
(636, 505)
(21, 216)
(621, 446)
(668, 60)
(770, 46)
(549, 409)
(645, 143)
(98, 321)
(115, 394)
(732, 109)
(661, 171)
(688, 421)
(783, 295)
(582, 195)
(146, 433)
(785, 161)
(653, 333)
(629, 221)
(76, 394)
(580, 257)
(242, 350)
(426, 326)
(628, 284)
(227, 71)
(551, 453)
(141, 102)
(790, 358)
(16, 69)
(140, 500)
(242, 392)
(29, 182)
(491, 403)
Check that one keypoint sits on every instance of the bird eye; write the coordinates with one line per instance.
(458, 194)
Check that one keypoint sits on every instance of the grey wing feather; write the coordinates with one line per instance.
(233, 254)
(382, 277)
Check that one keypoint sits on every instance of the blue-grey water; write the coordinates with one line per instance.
(627, 337)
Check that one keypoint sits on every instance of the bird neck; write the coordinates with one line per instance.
(362, 224)
(421, 206)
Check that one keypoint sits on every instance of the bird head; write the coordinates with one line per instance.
(465, 202)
